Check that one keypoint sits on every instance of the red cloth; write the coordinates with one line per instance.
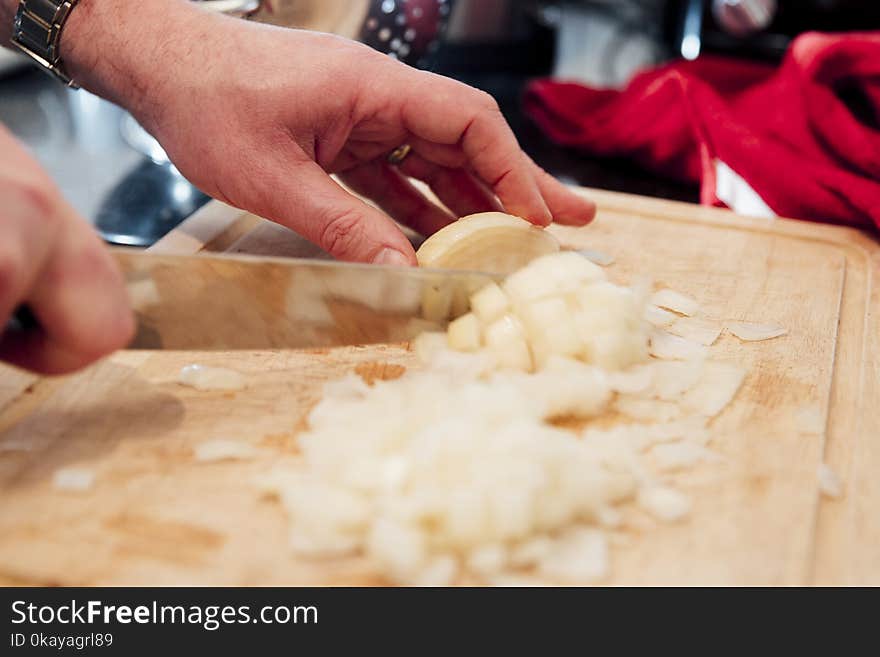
(783, 129)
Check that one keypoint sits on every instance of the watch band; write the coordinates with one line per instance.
(37, 32)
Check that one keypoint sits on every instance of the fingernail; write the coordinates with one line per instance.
(391, 257)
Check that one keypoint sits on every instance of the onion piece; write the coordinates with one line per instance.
(530, 552)
(202, 377)
(490, 241)
(632, 381)
(73, 478)
(716, 389)
(830, 484)
(696, 329)
(439, 571)
(551, 329)
(428, 345)
(752, 332)
(664, 503)
(693, 429)
(659, 317)
(506, 342)
(555, 274)
(673, 378)
(487, 560)
(676, 302)
(678, 455)
(489, 303)
(578, 556)
(597, 257)
(465, 333)
(647, 409)
(672, 347)
(211, 451)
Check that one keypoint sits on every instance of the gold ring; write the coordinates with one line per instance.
(399, 154)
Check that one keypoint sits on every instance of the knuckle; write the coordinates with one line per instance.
(487, 101)
(342, 233)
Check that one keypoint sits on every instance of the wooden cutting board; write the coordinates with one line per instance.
(156, 516)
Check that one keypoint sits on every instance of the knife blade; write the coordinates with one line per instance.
(229, 302)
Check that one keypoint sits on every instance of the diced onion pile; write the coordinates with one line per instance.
(463, 472)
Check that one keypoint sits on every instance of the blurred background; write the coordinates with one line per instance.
(119, 178)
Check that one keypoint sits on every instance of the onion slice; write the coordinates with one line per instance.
(490, 241)
(672, 347)
(696, 329)
(752, 332)
(597, 257)
(676, 302)
(716, 389)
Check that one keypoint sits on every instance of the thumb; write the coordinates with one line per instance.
(319, 209)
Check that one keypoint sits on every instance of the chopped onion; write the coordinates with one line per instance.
(672, 347)
(489, 303)
(751, 332)
(530, 552)
(829, 483)
(632, 381)
(597, 257)
(439, 571)
(462, 470)
(717, 388)
(579, 556)
(506, 342)
(675, 377)
(657, 316)
(647, 409)
(693, 429)
(465, 333)
(202, 377)
(73, 478)
(487, 560)
(551, 275)
(696, 329)
(224, 450)
(678, 455)
(676, 302)
(664, 503)
(427, 345)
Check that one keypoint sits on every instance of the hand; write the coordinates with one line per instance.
(51, 260)
(259, 116)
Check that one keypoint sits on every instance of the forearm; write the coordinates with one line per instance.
(7, 12)
(118, 49)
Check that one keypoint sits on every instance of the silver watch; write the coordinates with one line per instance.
(37, 32)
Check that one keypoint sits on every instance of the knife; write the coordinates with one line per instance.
(227, 302)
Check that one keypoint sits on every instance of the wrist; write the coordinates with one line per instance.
(117, 49)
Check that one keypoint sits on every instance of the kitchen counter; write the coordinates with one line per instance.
(134, 200)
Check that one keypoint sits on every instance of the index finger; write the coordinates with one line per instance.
(444, 111)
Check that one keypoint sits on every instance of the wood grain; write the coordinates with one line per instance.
(156, 516)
